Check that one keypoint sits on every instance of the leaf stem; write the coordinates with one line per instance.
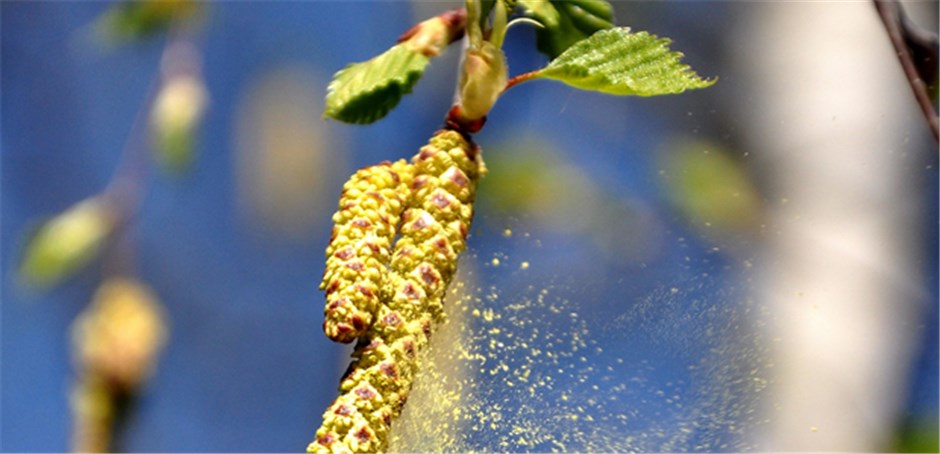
(524, 77)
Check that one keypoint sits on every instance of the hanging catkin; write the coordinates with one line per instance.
(433, 232)
(116, 341)
(359, 251)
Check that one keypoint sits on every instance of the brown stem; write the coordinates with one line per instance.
(520, 79)
(904, 41)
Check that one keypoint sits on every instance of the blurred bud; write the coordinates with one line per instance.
(482, 80)
(178, 109)
(118, 337)
(67, 242)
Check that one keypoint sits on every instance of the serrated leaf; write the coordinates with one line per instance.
(132, 21)
(364, 92)
(575, 20)
(618, 62)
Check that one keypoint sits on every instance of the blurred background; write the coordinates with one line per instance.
(752, 266)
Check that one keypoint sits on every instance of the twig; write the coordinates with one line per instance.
(909, 42)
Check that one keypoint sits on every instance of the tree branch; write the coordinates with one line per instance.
(917, 53)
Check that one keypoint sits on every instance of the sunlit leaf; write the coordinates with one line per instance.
(618, 62)
(567, 22)
(66, 242)
(365, 92)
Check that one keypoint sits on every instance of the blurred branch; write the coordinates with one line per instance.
(917, 51)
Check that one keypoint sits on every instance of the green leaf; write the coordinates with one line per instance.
(542, 11)
(567, 22)
(365, 92)
(175, 117)
(67, 242)
(132, 21)
(618, 62)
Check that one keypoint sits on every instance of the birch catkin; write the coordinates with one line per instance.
(116, 341)
(359, 251)
(434, 230)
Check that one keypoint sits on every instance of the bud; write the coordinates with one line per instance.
(482, 80)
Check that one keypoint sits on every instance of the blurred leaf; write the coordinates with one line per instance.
(135, 20)
(175, 118)
(567, 22)
(365, 92)
(917, 434)
(523, 180)
(710, 188)
(174, 148)
(618, 62)
(66, 242)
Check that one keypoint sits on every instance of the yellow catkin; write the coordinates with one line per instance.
(359, 251)
(116, 341)
(434, 230)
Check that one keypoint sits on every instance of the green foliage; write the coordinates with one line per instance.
(174, 149)
(591, 55)
(365, 92)
(542, 11)
(916, 434)
(135, 20)
(174, 120)
(66, 242)
(567, 21)
(618, 62)
(711, 188)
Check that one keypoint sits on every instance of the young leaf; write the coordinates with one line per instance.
(618, 62)
(365, 92)
(174, 120)
(67, 242)
(567, 22)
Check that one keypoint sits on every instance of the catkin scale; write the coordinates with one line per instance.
(359, 251)
(434, 228)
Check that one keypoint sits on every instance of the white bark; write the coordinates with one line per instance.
(832, 115)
